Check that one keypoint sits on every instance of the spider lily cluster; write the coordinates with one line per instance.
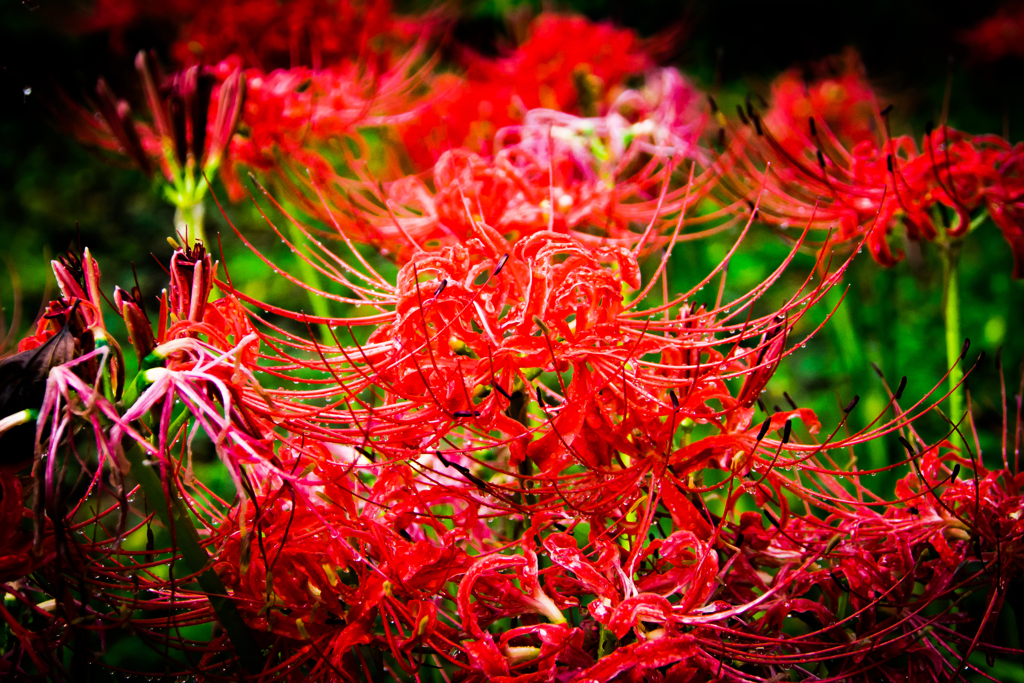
(521, 457)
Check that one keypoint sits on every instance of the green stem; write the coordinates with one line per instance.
(855, 364)
(954, 340)
(311, 277)
(198, 561)
(188, 221)
(605, 642)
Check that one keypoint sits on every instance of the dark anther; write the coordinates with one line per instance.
(404, 534)
(750, 110)
(501, 264)
(821, 159)
(814, 128)
(540, 399)
(852, 404)
(721, 137)
(840, 581)
(786, 431)
(977, 548)
(777, 407)
(887, 110)
(789, 399)
(466, 413)
(888, 162)
(675, 400)
(714, 105)
(771, 518)
(743, 117)
(899, 390)
(956, 471)
(501, 391)
(757, 124)
(477, 481)
(928, 127)
(764, 429)
(966, 347)
(906, 444)
(760, 404)
(440, 287)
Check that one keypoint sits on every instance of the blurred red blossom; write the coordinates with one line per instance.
(997, 36)
(858, 179)
(579, 76)
(265, 34)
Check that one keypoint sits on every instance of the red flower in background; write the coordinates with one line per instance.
(860, 180)
(301, 118)
(612, 179)
(1000, 35)
(566, 63)
(838, 96)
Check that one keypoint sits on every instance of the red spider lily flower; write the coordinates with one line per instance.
(874, 187)
(454, 358)
(543, 71)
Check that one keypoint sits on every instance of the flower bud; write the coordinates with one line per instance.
(129, 305)
(191, 282)
(229, 110)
